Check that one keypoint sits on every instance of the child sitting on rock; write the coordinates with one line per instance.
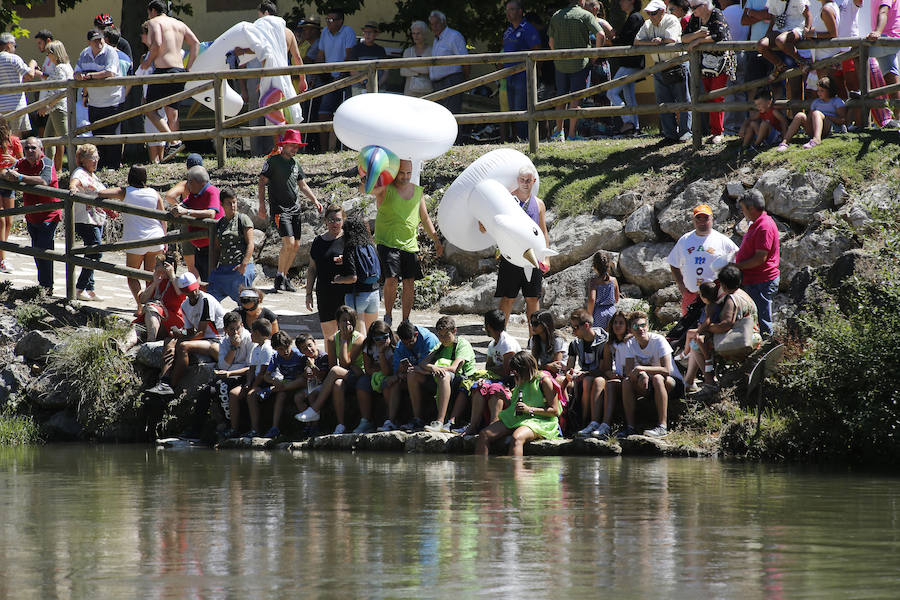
(285, 375)
(378, 357)
(584, 367)
(234, 362)
(315, 370)
(255, 389)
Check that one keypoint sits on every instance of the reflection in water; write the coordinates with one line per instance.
(133, 522)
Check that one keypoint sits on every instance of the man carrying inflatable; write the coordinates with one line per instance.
(166, 36)
(401, 206)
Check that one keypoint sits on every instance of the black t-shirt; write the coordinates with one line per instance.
(283, 174)
(625, 37)
(323, 253)
(363, 52)
(265, 313)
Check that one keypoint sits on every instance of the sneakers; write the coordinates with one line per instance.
(82, 296)
(716, 139)
(389, 320)
(287, 286)
(686, 137)
(274, 432)
(558, 136)
(365, 426)
(578, 138)
(250, 434)
(161, 389)
(438, 427)
(4, 267)
(340, 429)
(657, 432)
(416, 424)
(624, 433)
(307, 416)
(782, 147)
(388, 426)
(459, 430)
(602, 432)
(591, 428)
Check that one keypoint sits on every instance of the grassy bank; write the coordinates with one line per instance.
(18, 430)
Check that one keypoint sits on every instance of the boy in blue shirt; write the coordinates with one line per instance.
(285, 374)
(416, 343)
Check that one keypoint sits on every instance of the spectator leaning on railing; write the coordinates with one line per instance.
(518, 37)
(13, 70)
(101, 61)
(417, 81)
(669, 85)
(334, 46)
(447, 42)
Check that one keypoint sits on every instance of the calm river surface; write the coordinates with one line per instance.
(133, 522)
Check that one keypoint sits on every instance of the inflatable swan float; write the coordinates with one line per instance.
(483, 194)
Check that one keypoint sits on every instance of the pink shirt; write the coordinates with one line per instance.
(892, 26)
(208, 198)
(761, 235)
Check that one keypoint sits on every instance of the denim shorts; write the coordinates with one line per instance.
(571, 82)
(363, 302)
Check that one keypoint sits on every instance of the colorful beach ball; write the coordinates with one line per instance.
(378, 165)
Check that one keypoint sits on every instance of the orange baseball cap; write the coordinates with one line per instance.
(703, 209)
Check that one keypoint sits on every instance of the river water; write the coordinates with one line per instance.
(134, 522)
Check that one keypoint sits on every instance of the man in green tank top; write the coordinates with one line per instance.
(401, 206)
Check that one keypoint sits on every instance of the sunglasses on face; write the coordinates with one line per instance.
(640, 325)
(381, 338)
(249, 300)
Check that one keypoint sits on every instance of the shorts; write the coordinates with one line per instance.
(226, 281)
(328, 301)
(288, 225)
(571, 82)
(201, 259)
(887, 59)
(773, 136)
(331, 100)
(511, 279)
(19, 125)
(398, 263)
(429, 386)
(363, 302)
(157, 91)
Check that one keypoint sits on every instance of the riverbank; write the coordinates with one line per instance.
(837, 209)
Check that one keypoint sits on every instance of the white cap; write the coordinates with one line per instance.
(187, 282)
(655, 5)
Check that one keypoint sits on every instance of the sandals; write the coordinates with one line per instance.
(811, 144)
(779, 70)
(782, 147)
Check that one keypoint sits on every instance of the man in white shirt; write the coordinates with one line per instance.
(649, 372)
(699, 255)
(334, 46)
(13, 70)
(447, 42)
(101, 61)
(203, 324)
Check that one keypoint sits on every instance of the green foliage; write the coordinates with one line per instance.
(18, 430)
(429, 290)
(322, 7)
(100, 378)
(28, 315)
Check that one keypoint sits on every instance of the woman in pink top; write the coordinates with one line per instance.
(886, 23)
(759, 256)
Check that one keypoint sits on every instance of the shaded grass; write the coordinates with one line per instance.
(18, 430)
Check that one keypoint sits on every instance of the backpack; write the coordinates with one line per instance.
(368, 267)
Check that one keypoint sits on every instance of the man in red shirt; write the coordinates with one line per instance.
(759, 256)
(37, 169)
(202, 202)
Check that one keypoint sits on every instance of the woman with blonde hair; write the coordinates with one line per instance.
(57, 112)
(89, 220)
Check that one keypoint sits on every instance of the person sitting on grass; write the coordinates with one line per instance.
(651, 374)
(416, 343)
(234, 363)
(203, 323)
(586, 353)
(827, 115)
(491, 389)
(533, 412)
(764, 126)
(345, 362)
(285, 375)
(255, 388)
(446, 368)
(378, 357)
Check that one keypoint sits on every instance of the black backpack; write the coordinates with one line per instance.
(368, 267)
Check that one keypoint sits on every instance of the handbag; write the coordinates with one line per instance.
(712, 65)
(738, 341)
(781, 20)
(673, 76)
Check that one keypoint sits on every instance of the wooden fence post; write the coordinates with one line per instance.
(220, 118)
(72, 122)
(531, 88)
(69, 224)
(372, 81)
(695, 87)
(862, 74)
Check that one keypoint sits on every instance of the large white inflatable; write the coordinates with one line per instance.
(483, 193)
(265, 38)
(412, 128)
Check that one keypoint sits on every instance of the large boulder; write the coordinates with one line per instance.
(668, 313)
(740, 229)
(578, 237)
(150, 354)
(267, 252)
(10, 330)
(641, 225)
(475, 298)
(565, 291)
(470, 264)
(62, 426)
(35, 345)
(677, 218)
(622, 205)
(858, 209)
(14, 377)
(813, 249)
(47, 392)
(794, 196)
(646, 265)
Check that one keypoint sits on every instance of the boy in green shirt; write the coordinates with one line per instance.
(448, 365)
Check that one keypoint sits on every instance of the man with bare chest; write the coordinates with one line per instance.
(166, 36)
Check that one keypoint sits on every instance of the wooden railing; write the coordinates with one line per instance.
(535, 111)
(73, 255)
